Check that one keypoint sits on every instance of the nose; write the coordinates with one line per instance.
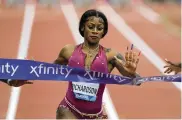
(95, 31)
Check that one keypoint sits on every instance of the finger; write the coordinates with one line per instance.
(137, 60)
(169, 62)
(166, 59)
(134, 57)
(169, 71)
(166, 66)
(132, 46)
(130, 56)
(127, 52)
(127, 56)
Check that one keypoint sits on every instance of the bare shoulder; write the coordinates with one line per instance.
(67, 50)
(69, 47)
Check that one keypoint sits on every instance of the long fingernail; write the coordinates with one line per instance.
(131, 46)
(139, 53)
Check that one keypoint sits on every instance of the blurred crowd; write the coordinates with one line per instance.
(83, 2)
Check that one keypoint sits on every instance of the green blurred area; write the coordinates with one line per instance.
(169, 10)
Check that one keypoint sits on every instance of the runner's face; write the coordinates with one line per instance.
(93, 30)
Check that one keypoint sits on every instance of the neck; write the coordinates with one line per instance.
(91, 46)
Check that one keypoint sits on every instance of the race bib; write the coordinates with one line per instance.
(85, 91)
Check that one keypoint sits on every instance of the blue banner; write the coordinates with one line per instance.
(34, 70)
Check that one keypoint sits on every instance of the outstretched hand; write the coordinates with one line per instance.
(172, 67)
(132, 60)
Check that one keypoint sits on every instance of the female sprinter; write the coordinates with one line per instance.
(78, 104)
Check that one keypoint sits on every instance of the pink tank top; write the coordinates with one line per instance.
(78, 90)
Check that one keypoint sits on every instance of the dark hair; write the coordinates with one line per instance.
(89, 13)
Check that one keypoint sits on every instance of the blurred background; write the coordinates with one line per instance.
(40, 28)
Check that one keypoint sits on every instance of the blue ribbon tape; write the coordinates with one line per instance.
(34, 70)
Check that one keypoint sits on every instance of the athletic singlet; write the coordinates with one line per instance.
(87, 97)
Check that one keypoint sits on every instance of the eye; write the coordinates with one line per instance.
(100, 28)
(90, 26)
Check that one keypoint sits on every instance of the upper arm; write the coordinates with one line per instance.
(64, 55)
(60, 59)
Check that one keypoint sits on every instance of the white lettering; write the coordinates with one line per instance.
(34, 70)
(7, 66)
(68, 72)
(14, 70)
(8, 69)
(90, 76)
(41, 69)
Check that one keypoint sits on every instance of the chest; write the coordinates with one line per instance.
(96, 61)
